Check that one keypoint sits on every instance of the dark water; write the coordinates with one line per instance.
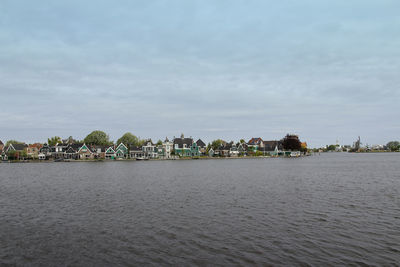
(336, 209)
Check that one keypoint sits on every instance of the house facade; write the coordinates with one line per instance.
(136, 153)
(202, 147)
(185, 147)
(16, 151)
(110, 153)
(255, 144)
(166, 149)
(84, 152)
(121, 152)
(272, 147)
(33, 150)
(150, 150)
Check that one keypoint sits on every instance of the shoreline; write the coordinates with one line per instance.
(128, 160)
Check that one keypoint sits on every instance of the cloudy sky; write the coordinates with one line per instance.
(230, 69)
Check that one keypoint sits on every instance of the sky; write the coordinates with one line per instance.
(325, 70)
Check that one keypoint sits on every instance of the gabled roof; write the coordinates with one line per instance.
(71, 150)
(36, 145)
(18, 147)
(255, 141)
(110, 150)
(1, 143)
(85, 146)
(270, 145)
(148, 141)
(119, 146)
(119, 150)
(200, 143)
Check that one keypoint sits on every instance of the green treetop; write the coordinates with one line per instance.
(129, 139)
(52, 141)
(97, 138)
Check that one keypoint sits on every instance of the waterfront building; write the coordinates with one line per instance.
(211, 152)
(270, 147)
(150, 150)
(84, 152)
(136, 152)
(202, 147)
(233, 151)
(46, 150)
(121, 152)
(33, 150)
(255, 144)
(72, 151)
(16, 151)
(165, 150)
(110, 153)
(183, 147)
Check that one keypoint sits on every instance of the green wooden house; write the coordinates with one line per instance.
(121, 152)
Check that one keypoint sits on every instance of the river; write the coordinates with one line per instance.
(331, 209)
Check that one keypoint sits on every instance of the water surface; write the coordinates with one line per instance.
(336, 209)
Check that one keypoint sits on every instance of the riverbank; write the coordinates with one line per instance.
(130, 160)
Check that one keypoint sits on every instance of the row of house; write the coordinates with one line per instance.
(179, 147)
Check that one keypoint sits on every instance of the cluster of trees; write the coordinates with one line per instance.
(291, 142)
(393, 145)
(101, 138)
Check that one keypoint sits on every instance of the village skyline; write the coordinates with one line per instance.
(213, 69)
(207, 139)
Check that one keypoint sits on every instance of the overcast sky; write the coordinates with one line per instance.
(325, 70)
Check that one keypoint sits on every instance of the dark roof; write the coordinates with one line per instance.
(61, 144)
(270, 145)
(136, 148)
(19, 146)
(76, 146)
(200, 143)
(71, 150)
(1, 143)
(147, 141)
(182, 141)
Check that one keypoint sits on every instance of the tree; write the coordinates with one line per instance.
(52, 141)
(304, 147)
(129, 139)
(217, 143)
(71, 140)
(393, 145)
(9, 142)
(159, 143)
(331, 147)
(242, 141)
(291, 142)
(97, 138)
